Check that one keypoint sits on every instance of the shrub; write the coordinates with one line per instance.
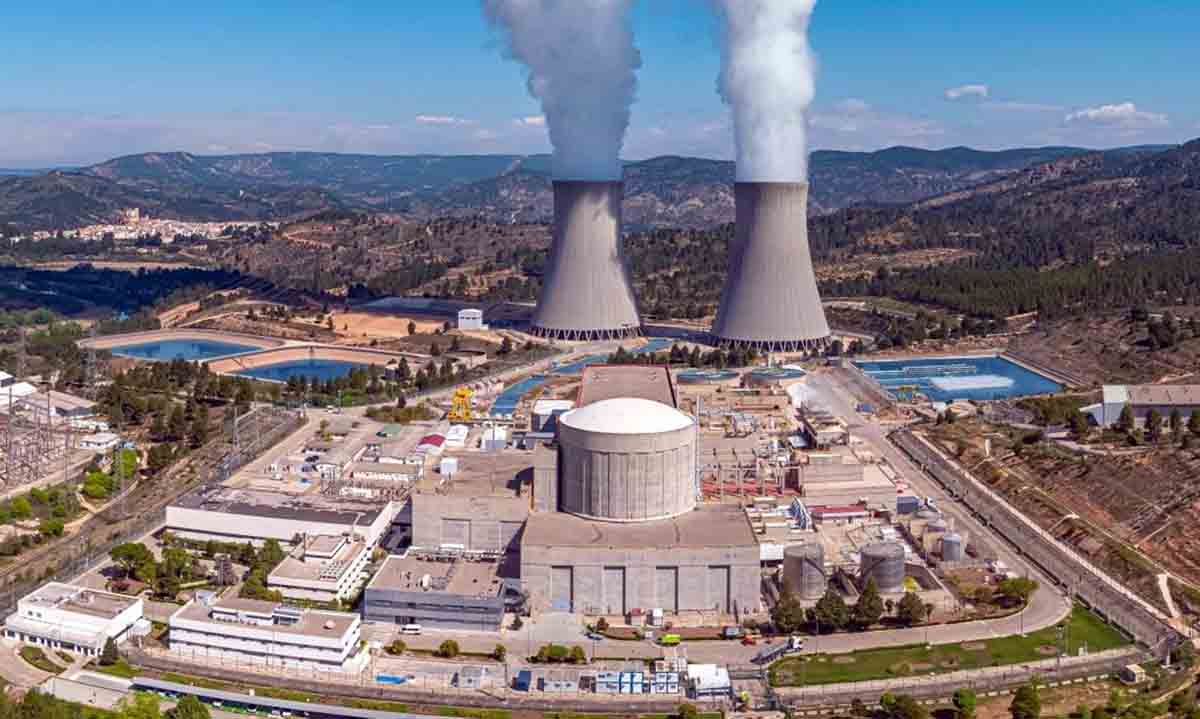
(448, 649)
(397, 647)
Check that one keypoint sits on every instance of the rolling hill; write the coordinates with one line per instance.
(660, 192)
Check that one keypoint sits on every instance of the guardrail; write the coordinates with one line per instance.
(1078, 576)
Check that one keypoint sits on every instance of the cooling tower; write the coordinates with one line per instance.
(804, 569)
(770, 302)
(587, 294)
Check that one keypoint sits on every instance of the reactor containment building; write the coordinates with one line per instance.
(586, 293)
(770, 301)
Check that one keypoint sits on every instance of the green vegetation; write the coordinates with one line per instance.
(120, 668)
(1056, 410)
(36, 705)
(1085, 629)
(36, 657)
(50, 508)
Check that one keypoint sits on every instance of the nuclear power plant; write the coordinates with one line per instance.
(586, 293)
(770, 301)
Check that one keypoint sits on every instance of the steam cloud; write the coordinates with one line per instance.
(581, 61)
(767, 76)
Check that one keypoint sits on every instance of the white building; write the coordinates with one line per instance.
(322, 569)
(249, 631)
(75, 619)
(1141, 399)
(456, 436)
(99, 442)
(470, 319)
(239, 515)
(390, 472)
(547, 411)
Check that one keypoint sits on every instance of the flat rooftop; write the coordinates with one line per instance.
(601, 382)
(312, 623)
(310, 507)
(460, 577)
(482, 474)
(709, 526)
(1164, 394)
(318, 569)
(81, 600)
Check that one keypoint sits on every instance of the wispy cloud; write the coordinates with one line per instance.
(1125, 115)
(1015, 106)
(443, 120)
(968, 91)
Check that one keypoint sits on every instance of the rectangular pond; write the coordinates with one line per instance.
(944, 379)
(320, 369)
(185, 349)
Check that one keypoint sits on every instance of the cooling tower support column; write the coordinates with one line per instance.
(770, 302)
(587, 294)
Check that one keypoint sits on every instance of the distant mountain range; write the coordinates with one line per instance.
(660, 192)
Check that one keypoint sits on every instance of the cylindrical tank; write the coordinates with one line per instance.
(627, 460)
(586, 293)
(804, 569)
(883, 562)
(952, 548)
(770, 300)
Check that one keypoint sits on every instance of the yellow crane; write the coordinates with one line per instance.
(460, 405)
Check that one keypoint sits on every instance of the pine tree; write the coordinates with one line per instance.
(1125, 422)
(109, 656)
(868, 609)
(1026, 703)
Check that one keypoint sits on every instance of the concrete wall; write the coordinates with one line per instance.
(702, 583)
(202, 524)
(482, 524)
(629, 478)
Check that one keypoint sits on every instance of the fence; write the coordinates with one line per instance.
(942, 686)
(361, 687)
(1077, 575)
(224, 454)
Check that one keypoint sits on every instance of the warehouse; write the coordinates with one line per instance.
(1142, 399)
(457, 594)
(239, 515)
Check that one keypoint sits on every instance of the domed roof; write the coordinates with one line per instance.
(626, 415)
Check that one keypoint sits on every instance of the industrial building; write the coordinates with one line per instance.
(456, 594)
(74, 619)
(1142, 399)
(225, 514)
(250, 631)
(480, 510)
(770, 301)
(600, 382)
(322, 568)
(587, 294)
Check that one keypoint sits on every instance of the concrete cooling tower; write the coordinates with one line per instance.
(770, 302)
(587, 294)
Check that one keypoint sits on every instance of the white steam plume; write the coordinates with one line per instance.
(767, 76)
(581, 60)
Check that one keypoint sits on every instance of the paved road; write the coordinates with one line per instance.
(15, 670)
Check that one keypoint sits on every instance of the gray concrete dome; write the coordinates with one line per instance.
(627, 460)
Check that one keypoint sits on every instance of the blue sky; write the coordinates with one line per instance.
(81, 81)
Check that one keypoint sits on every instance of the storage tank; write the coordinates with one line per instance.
(627, 460)
(804, 569)
(883, 562)
(952, 548)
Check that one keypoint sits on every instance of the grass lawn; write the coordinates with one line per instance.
(1086, 629)
(36, 657)
(122, 669)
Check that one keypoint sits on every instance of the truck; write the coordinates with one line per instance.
(790, 645)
